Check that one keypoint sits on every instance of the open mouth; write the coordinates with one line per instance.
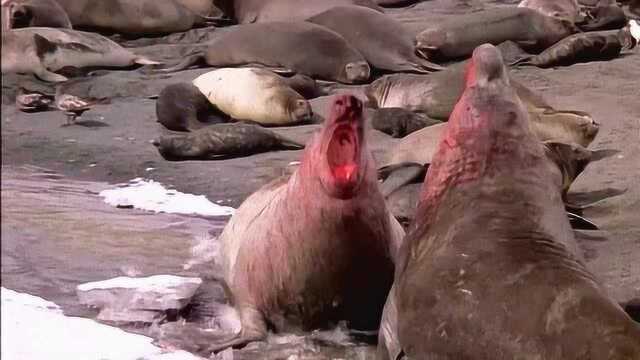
(342, 154)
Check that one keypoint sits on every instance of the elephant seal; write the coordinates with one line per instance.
(183, 107)
(457, 37)
(482, 276)
(382, 40)
(607, 15)
(568, 9)
(252, 11)
(222, 141)
(34, 13)
(304, 48)
(583, 47)
(335, 261)
(132, 17)
(254, 94)
(43, 51)
(204, 8)
(399, 122)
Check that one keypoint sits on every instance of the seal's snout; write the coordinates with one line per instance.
(357, 72)
(486, 65)
(302, 110)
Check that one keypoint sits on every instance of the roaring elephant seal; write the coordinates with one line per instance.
(458, 36)
(33, 13)
(222, 141)
(183, 107)
(133, 17)
(483, 276)
(288, 47)
(382, 40)
(43, 51)
(318, 247)
(252, 11)
(568, 9)
(253, 94)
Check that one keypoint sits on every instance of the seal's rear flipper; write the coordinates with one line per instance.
(195, 59)
(577, 202)
(145, 61)
(398, 175)
(218, 21)
(603, 154)
(579, 222)
(280, 70)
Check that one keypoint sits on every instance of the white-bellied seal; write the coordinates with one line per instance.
(335, 261)
(458, 36)
(304, 48)
(34, 13)
(43, 51)
(222, 141)
(183, 107)
(483, 276)
(568, 9)
(251, 11)
(254, 94)
(382, 40)
(134, 17)
(399, 122)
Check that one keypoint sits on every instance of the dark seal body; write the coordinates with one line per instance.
(250, 11)
(484, 276)
(182, 107)
(399, 122)
(222, 141)
(34, 13)
(382, 40)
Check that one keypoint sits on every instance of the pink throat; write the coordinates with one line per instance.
(342, 155)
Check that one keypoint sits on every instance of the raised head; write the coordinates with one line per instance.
(429, 42)
(356, 72)
(20, 15)
(299, 109)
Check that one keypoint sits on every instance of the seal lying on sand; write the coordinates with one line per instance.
(399, 122)
(303, 48)
(457, 37)
(480, 275)
(183, 107)
(43, 51)
(254, 94)
(316, 248)
(34, 13)
(222, 141)
(382, 40)
(136, 17)
(607, 15)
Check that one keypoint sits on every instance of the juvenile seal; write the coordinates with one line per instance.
(478, 273)
(334, 261)
(43, 51)
(382, 40)
(254, 94)
(304, 48)
(183, 107)
(399, 122)
(222, 141)
(457, 37)
(568, 9)
(34, 13)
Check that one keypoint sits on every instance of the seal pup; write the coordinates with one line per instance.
(399, 122)
(43, 51)
(334, 261)
(568, 9)
(34, 13)
(382, 40)
(183, 107)
(254, 94)
(480, 276)
(287, 47)
(457, 37)
(222, 141)
(583, 47)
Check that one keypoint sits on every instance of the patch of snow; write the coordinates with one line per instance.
(35, 329)
(156, 283)
(152, 196)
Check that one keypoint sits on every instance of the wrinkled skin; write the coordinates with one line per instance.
(490, 269)
(302, 253)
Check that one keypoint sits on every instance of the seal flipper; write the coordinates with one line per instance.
(581, 223)
(254, 328)
(398, 175)
(49, 76)
(579, 201)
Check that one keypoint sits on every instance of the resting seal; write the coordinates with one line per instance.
(399, 122)
(33, 13)
(182, 107)
(481, 276)
(334, 261)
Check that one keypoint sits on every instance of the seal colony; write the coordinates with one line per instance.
(480, 171)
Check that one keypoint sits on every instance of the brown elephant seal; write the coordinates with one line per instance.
(457, 37)
(399, 122)
(43, 51)
(252, 11)
(481, 276)
(607, 15)
(222, 141)
(183, 107)
(133, 17)
(34, 13)
(335, 261)
(303, 48)
(583, 47)
(254, 94)
(567, 9)
(383, 41)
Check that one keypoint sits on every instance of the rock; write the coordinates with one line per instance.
(126, 299)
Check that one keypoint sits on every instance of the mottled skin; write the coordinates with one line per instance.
(382, 40)
(182, 107)
(34, 13)
(302, 253)
(222, 141)
(481, 276)
(457, 37)
(302, 48)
